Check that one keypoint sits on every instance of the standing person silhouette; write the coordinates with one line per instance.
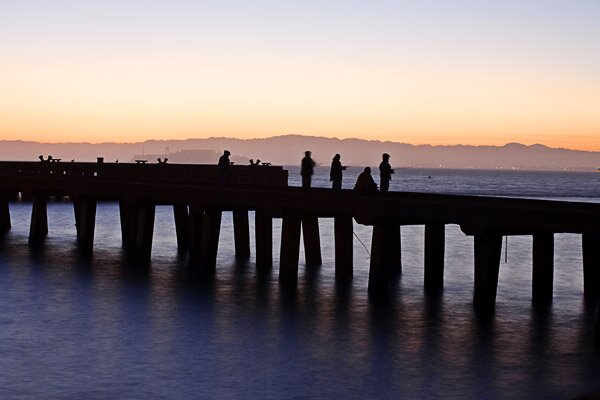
(385, 172)
(223, 167)
(335, 174)
(307, 169)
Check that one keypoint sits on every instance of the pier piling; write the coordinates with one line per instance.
(435, 239)
(85, 222)
(488, 248)
(209, 241)
(543, 268)
(196, 220)
(312, 241)
(38, 229)
(385, 257)
(4, 213)
(290, 248)
(129, 219)
(263, 225)
(241, 234)
(182, 226)
(591, 265)
(145, 231)
(344, 247)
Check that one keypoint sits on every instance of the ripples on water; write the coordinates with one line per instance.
(100, 328)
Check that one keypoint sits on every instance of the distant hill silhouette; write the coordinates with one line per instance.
(288, 150)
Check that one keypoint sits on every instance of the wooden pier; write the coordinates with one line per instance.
(198, 203)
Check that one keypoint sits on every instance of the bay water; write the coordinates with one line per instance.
(100, 328)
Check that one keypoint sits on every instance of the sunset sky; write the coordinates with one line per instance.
(439, 72)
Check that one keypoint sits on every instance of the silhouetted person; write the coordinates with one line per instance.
(223, 167)
(365, 183)
(385, 172)
(160, 160)
(307, 169)
(335, 174)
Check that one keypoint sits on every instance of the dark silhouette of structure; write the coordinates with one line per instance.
(307, 169)
(385, 172)
(336, 174)
(161, 161)
(198, 203)
(365, 183)
(223, 165)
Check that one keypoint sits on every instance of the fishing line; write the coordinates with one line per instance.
(506, 249)
(361, 242)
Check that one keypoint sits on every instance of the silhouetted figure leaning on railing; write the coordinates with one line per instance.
(223, 167)
(307, 169)
(385, 172)
(161, 161)
(335, 174)
(43, 160)
(365, 183)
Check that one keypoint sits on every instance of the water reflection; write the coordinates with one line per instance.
(104, 325)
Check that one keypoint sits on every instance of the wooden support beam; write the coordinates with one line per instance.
(312, 241)
(182, 226)
(4, 213)
(290, 248)
(543, 268)
(435, 239)
(129, 221)
(263, 225)
(591, 265)
(196, 221)
(386, 257)
(241, 234)
(344, 247)
(38, 229)
(145, 231)
(488, 248)
(85, 222)
(209, 242)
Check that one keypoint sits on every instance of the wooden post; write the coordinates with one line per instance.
(129, 221)
(182, 226)
(312, 241)
(488, 247)
(196, 221)
(241, 234)
(290, 248)
(344, 247)
(209, 242)
(145, 231)
(85, 222)
(543, 268)
(263, 225)
(591, 265)
(385, 257)
(38, 229)
(4, 213)
(435, 239)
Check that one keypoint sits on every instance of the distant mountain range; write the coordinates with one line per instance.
(289, 149)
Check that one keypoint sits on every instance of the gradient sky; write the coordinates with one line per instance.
(440, 72)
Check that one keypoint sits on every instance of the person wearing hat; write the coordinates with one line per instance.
(223, 167)
(385, 172)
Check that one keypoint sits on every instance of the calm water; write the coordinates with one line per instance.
(71, 328)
